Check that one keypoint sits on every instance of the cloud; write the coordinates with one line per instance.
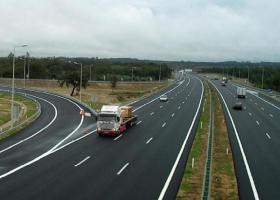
(213, 30)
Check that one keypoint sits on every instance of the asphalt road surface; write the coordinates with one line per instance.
(254, 134)
(67, 160)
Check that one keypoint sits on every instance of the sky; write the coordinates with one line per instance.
(190, 30)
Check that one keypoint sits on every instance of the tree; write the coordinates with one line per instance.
(72, 79)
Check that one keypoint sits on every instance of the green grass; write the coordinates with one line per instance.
(5, 114)
(5, 105)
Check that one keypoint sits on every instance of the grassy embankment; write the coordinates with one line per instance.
(29, 106)
(122, 94)
(223, 181)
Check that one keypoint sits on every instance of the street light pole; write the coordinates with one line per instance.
(90, 72)
(239, 73)
(262, 76)
(159, 76)
(13, 85)
(132, 74)
(24, 66)
(81, 79)
(248, 75)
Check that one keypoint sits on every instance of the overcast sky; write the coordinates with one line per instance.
(197, 30)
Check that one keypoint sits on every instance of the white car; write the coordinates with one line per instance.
(163, 98)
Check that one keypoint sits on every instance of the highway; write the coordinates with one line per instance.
(67, 160)
(255, 141)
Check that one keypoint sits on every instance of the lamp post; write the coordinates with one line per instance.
(159, 75)
(262, 76)
(248, 75)
(13, 84)
(132, 73)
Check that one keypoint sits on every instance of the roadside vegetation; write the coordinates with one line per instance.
(223, 184)
(97, 94)
(28, 108)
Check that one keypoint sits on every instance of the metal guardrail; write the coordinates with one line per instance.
(21, 124)
(207, 171)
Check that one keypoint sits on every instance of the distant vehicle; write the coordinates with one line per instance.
(163, 98)
(224, 79)
(237, 106)
(241, 92)
(114, 120)
(223, 83)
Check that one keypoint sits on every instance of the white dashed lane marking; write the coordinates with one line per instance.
(122, 169)
(149, 140)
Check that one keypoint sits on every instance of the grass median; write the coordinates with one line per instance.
(223, 184)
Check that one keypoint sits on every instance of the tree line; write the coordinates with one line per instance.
(270, 74)
(67, 70)
(93, 68)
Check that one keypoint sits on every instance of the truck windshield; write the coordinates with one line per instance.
(107, 118)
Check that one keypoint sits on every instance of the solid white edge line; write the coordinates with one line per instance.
(123, 168)
(82, 161)
(118, 137)
(168, 180)
(256, 196)
(33, 135)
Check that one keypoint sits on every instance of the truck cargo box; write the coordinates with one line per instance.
(126, 111)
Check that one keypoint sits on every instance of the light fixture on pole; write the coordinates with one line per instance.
(13, 84)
